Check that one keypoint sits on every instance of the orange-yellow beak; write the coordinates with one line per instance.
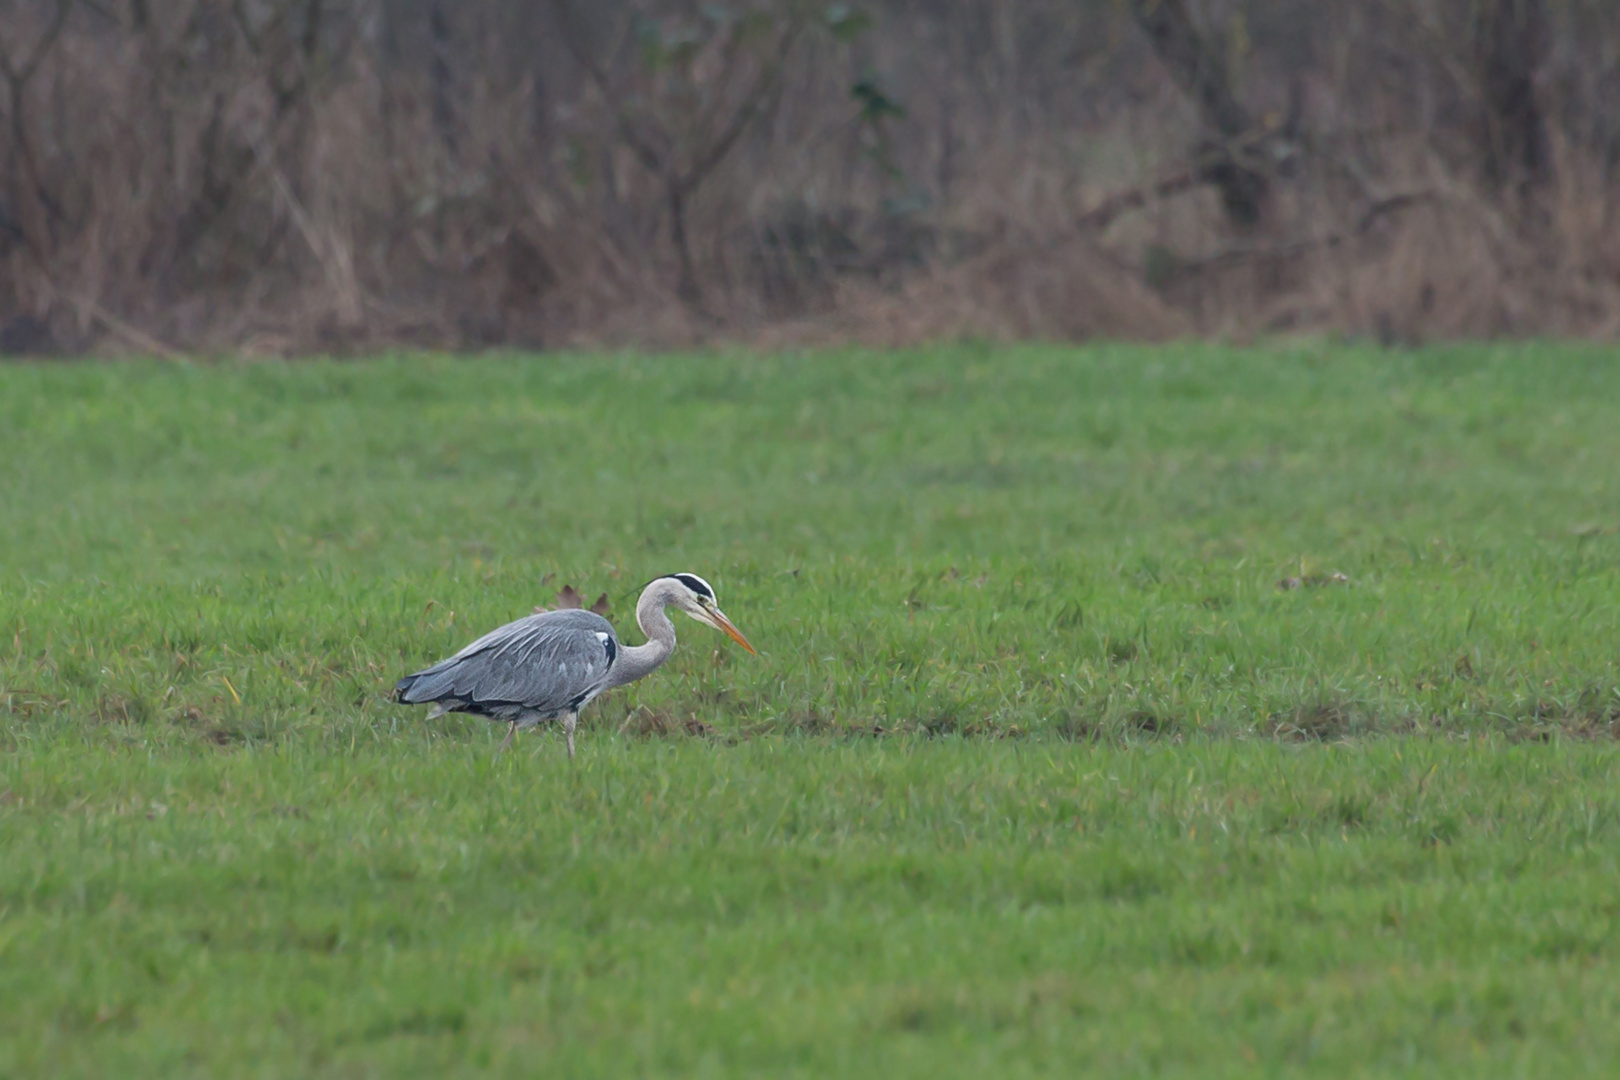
(723, 624)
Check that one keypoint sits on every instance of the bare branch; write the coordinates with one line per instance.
(96, 7)
(1104, 214)
(1200, 70)
(134, 335)
(312, 27)
(19, 75)
(334, 256)
(752, 107)
(224, 168)
(1197, 67)
(244, 24)
(646, 154)
(1250, 253)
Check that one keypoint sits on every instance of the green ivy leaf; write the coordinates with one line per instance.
(847, 22)
(875, 103)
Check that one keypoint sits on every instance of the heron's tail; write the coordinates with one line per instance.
(429, 687)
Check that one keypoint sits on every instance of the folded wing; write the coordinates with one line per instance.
(549, 663)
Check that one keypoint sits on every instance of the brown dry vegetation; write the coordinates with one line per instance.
(281, 175)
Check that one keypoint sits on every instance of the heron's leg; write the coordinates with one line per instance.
(570, 722)
(511, 731)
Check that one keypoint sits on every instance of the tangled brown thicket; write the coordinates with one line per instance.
(335, 175)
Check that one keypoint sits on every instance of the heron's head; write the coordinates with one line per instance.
(694, 596)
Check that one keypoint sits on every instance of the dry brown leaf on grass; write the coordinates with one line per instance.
(569, 597)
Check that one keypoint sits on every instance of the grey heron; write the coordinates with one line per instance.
(550, 665)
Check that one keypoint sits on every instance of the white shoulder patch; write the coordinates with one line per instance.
(603, 638)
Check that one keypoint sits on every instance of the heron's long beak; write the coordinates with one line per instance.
(723, 624)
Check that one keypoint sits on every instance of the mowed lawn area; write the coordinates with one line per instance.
(1182, 711)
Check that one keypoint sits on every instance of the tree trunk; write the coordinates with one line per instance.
(1511, 37)
(1199, 69)
(686, 287)
(441, 72)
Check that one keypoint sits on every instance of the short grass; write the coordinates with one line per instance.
(1041, 769)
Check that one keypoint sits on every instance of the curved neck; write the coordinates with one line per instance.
(638, 660)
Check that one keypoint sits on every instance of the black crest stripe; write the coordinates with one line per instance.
(695, 584)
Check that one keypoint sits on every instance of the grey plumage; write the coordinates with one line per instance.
(530, 670)
(551, 665)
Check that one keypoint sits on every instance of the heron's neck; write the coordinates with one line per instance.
(639, 660)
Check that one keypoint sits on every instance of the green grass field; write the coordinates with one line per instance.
(1040, 769)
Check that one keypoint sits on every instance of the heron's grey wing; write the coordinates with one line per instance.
(548, 663)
